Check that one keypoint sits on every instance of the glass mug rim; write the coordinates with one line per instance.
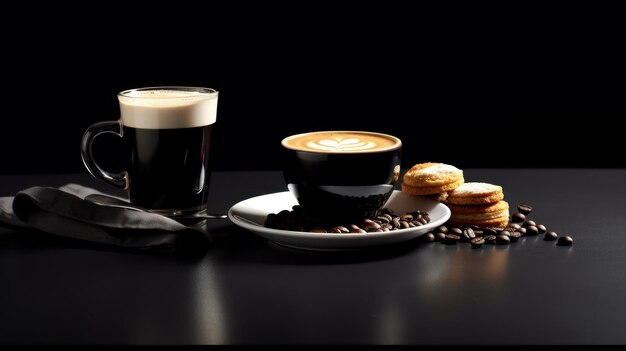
(203, 91)
(397, 142)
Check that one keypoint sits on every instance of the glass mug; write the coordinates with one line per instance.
(166, 133)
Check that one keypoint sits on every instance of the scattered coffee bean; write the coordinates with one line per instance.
(513, 227)
(490, 239)
(455, 231)
(442, 229)
(542, 228)
(522, 231)
(518, 217)
(532, 230)
(430, 237)
(468, 234)
(477, 242)
(452, 239)
(404, 224)
(528, 223)
(502, 239)
(524, 209)
(565, 240)
(505, 232)
(489, 231)
(550, 236)
(440, 236)
(514, 236)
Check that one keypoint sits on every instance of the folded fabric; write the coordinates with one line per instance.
(65, 212)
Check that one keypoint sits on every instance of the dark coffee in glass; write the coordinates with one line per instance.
(166, 132)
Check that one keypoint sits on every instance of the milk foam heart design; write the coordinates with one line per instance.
(349, 144)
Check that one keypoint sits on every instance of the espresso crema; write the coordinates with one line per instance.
(342, 142)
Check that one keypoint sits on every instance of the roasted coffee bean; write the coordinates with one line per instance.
(395, 222)
(424, 220)
(417, 223)
(514, 236)
(513, 227)
(468, 234)
(524, 209)
(528, 223)
(489, 231)
(389, 226)
(502, 239)
(379, 230)
(270, 220)
(565, 241)
(370, 225)
(355, 229)
(490, 239)
(442, 229)
(382, 219)
(415, 214)
(505, 232)
(385, 229)
(406, 217)
(455, 231)
(440, 236)
(477, 242)
(430, 237)
(452, 239)
(411, 225)
(339, 229)
(550, 236)
(522, 231)
(541, 228)
(479, 233)
(532, 230)
(517, 217)
(404, 224)
(474, 227)
(318, 230)
(426, 217)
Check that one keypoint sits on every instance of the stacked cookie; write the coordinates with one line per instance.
(432, 179)
(479, 204)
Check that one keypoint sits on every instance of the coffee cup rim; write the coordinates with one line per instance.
(397, 142)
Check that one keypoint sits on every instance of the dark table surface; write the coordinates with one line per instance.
(246, 290)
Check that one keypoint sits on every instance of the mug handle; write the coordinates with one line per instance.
(119, 180)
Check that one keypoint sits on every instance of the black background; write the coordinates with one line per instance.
(475, 86)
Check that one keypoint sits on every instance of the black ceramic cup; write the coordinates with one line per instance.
(341, 176)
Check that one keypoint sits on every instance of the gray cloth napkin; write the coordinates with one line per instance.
(64, 212)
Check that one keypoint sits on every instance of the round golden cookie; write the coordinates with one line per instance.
(489, 215)
(428, 190)
(473, 193)
(431, 174)
(497, 207)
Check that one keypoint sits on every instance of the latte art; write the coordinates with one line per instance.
(342, 142)
(339, 144)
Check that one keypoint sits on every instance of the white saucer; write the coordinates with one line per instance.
(251, 213)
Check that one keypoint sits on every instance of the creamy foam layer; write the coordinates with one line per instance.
(341, 142)
(168, 108)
